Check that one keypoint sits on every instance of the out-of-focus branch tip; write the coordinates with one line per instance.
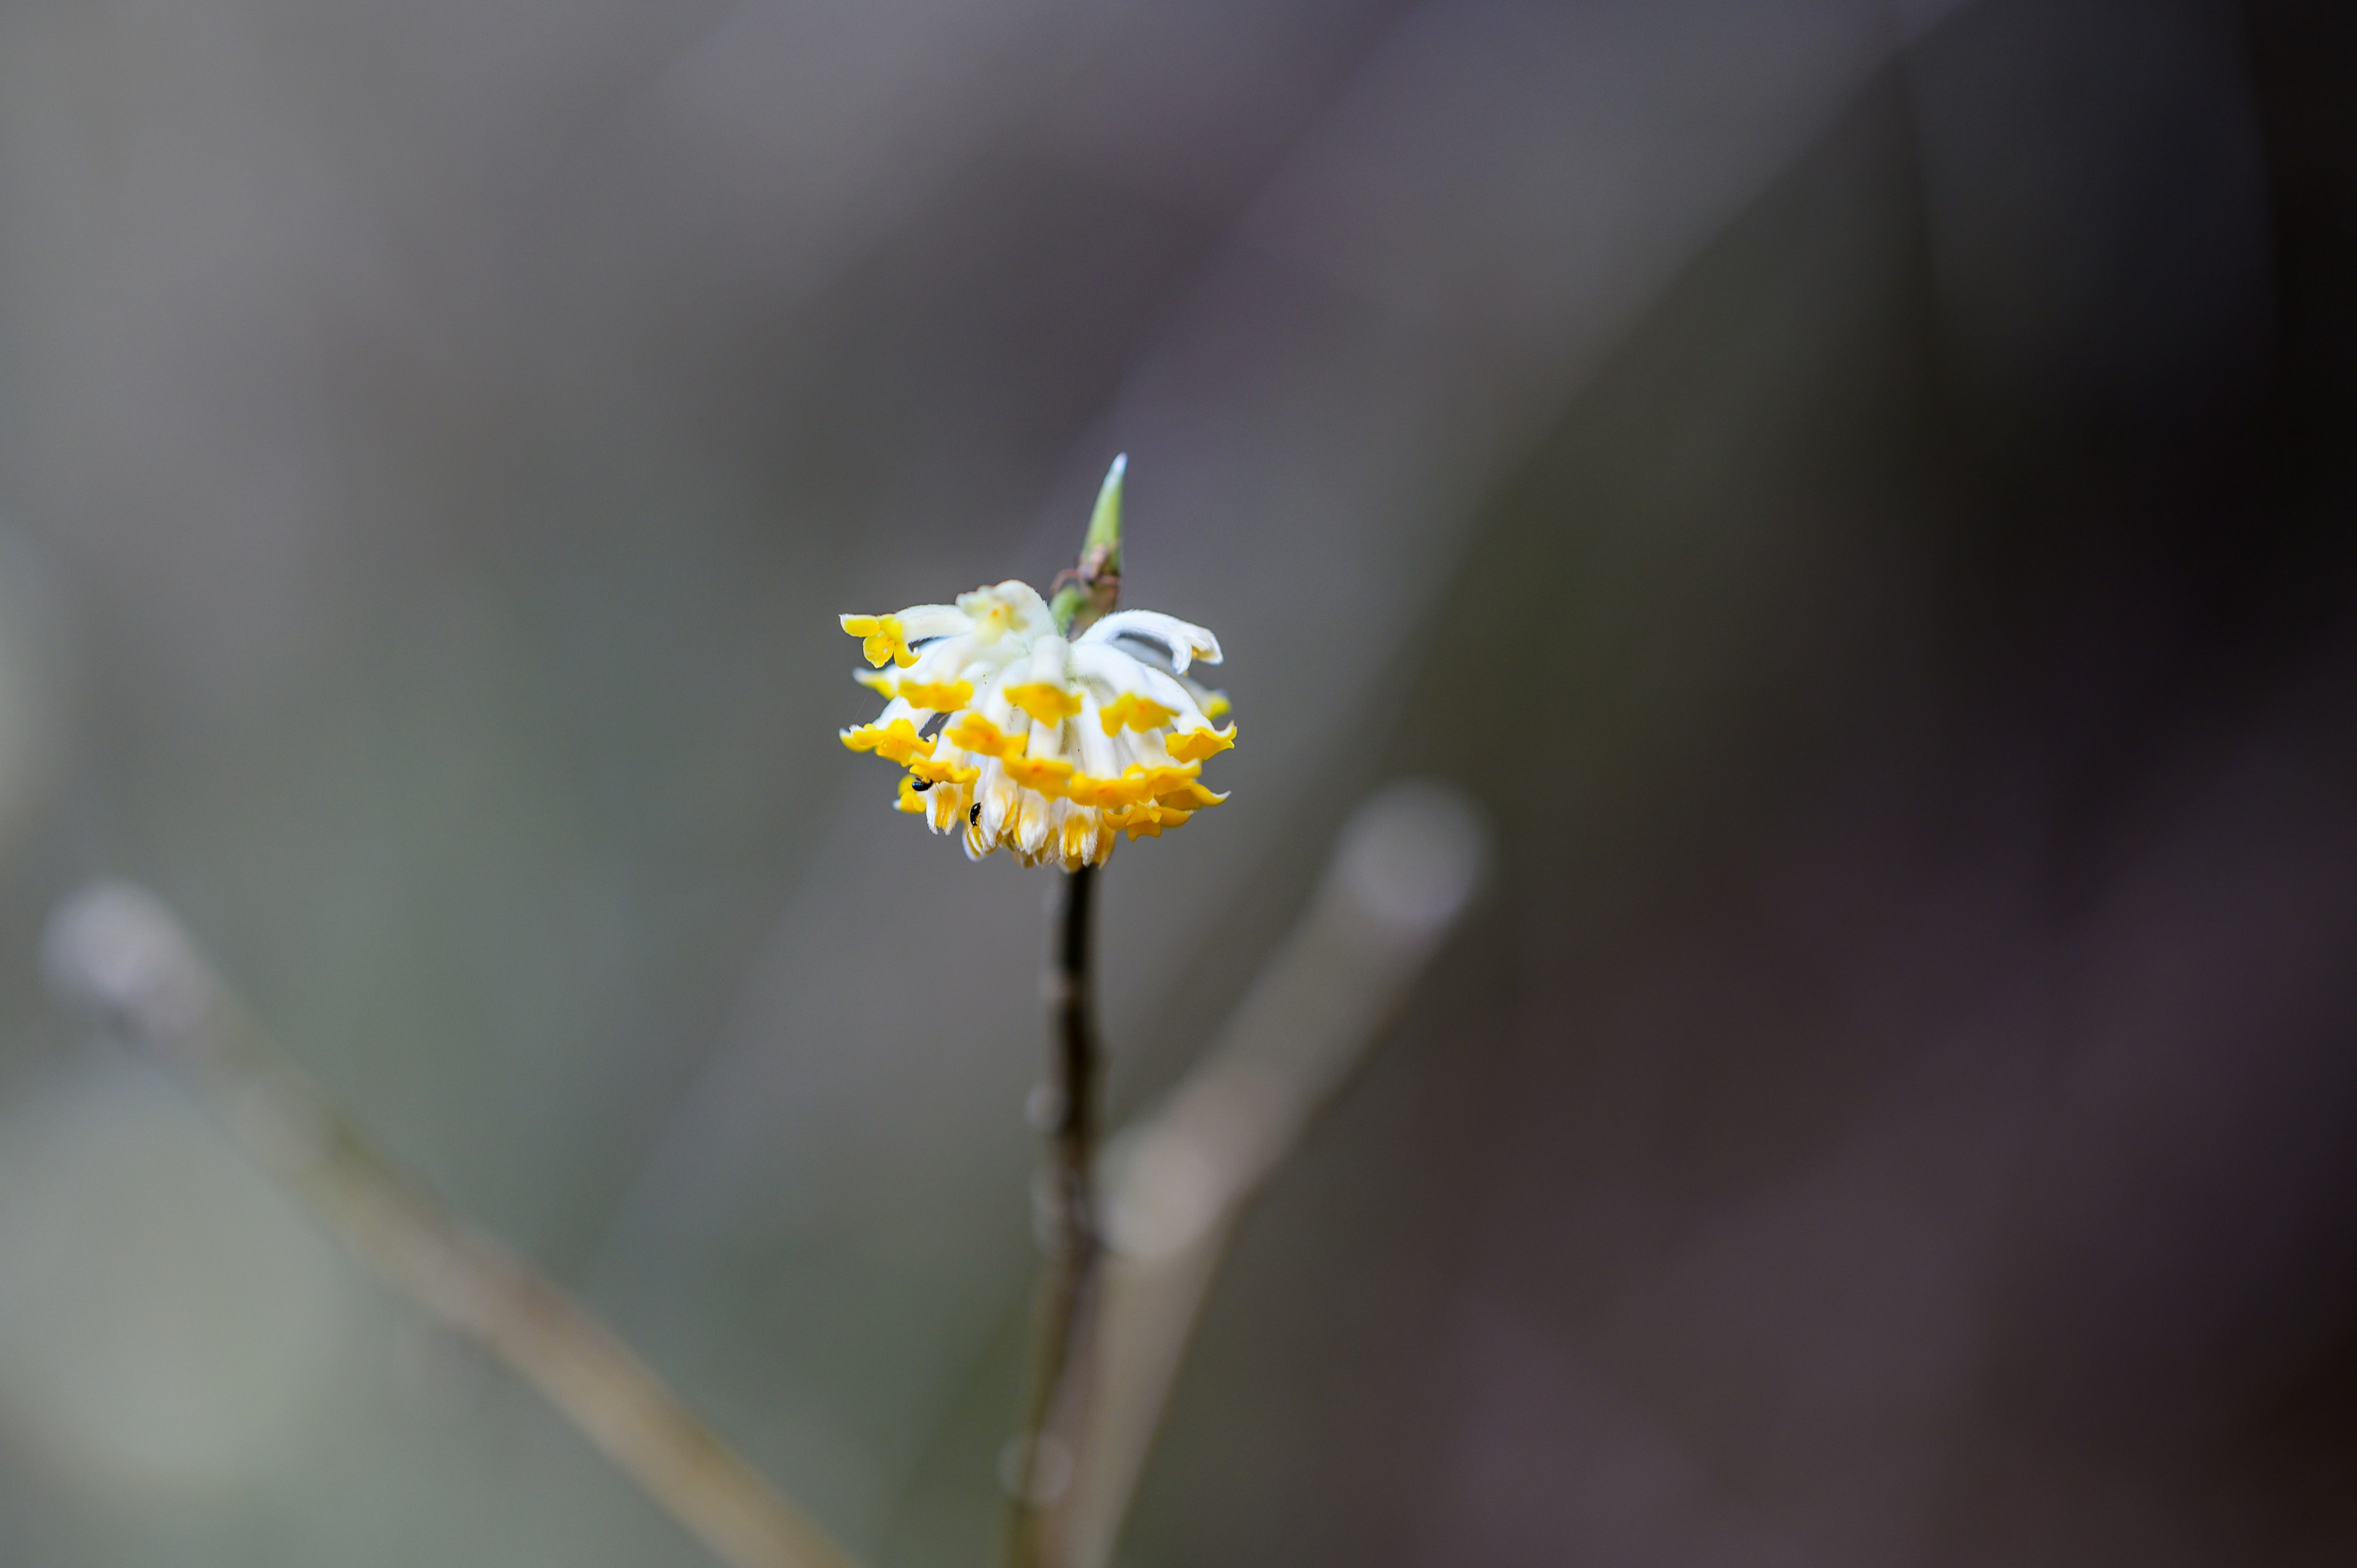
(118, 952)
(1404, 872)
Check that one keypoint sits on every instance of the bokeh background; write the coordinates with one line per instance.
(1860, 489)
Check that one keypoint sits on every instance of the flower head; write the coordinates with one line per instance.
(1014, 734)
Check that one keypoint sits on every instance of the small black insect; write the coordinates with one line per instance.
(921, 785)
(973, 814)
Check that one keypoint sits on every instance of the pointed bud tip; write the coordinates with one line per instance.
(1104, 523)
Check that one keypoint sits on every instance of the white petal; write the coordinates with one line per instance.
(990, 701)
(919, 622)
(1030, 609)
(995, 792)
(1048, 656)
(1201, 693)
(1116, 669)
(941, 661)
(1167, 690)
(1031, 822)
(1098, 757)
(1185, 639)
(1027, 612)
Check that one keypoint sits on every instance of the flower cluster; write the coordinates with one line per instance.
(1013, 734)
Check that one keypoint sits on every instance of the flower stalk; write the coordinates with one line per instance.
(1054, 1438)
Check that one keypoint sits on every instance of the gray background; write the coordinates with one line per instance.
(1859, 491)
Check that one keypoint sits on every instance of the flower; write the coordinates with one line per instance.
(1013, 734)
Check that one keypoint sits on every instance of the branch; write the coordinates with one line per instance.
(1055, 1424)
(118, 950)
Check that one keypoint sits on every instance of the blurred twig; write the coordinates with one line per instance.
(1406, 866)
(119, 950)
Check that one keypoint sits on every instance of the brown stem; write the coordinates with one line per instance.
(1051, 1443)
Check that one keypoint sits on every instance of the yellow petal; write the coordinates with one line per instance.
(972, 732)
(1046, 775)
(882, 637)
(1194, 744)
(1148, 821)
(941, 770)
(1188, 796)
(1159, 780)
(1087, 789)
(896, 742)
(940, 697)
(1138, 713)
(1044, 701)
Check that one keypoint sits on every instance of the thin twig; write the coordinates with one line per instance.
(120, 951)
(1054, 1426)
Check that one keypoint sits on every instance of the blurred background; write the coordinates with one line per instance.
(1860, 489)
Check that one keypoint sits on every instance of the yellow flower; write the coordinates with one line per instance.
(1014, 736)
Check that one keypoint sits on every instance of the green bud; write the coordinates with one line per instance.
(1089, 592)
